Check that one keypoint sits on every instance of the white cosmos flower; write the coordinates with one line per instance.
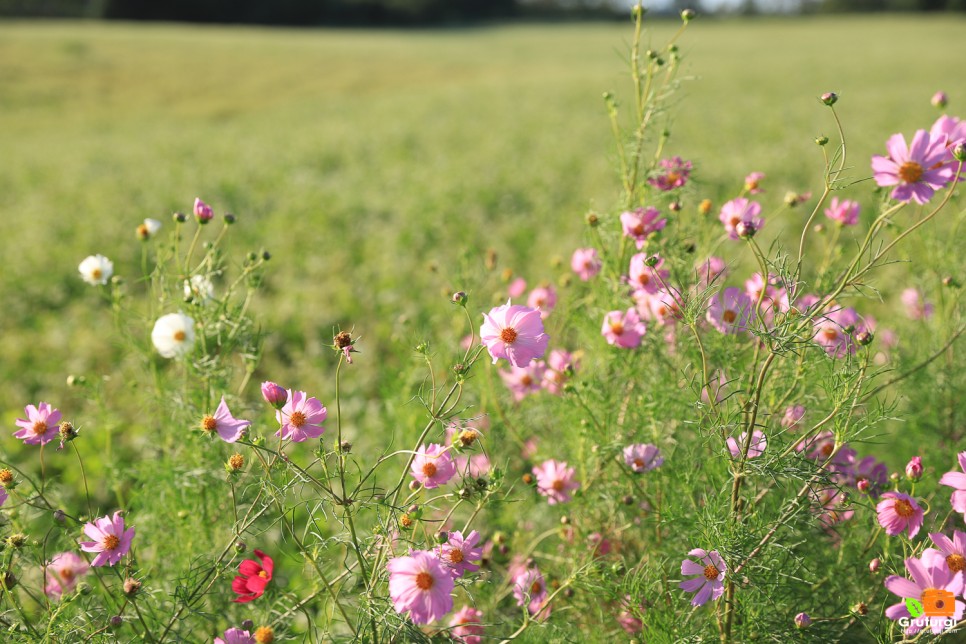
(173, 335)
(152, 226)
(96, 269)
(199, 286)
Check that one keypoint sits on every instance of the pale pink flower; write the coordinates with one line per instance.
(433, 466)
(63, 572)
(718, 385)
(467, 625)
(420, 586)
(834, 331)
(675, 172)
(957, 481)
(753, 183)
(41, 425)
(644, 277)
(236, 636)
(929, 572)
(898, 512)
(954, 130)
(708, 582)
(663, 306)
(642, 458)
(641, 223)
(832, 507)
(738, 211)
(628, 617)
(845, 212)
(916, 307)
(917, 170)
(710, 271)
(301, 417)
(792, 419)
(524, 381)
(755, 449)
(517, 288)
(555, 480)
(774, 298)
(515, 333)
(474, 466)
(560, 365)
(623, 330)
(544, 299)
(953, 549)
(585, 263)
(730, 310)
(110, 540)
(228, 427)
(530, 590)
(459, 553)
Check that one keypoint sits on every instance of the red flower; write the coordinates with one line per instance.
(252, 579)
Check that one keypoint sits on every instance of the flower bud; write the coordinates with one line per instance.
(459, 298)
(688, 15)
(829, 98)
(8, 580)
(674, 206)
(131, 586)
(274, 394)
(705, 206)
(247, 624)
(860, 609)
(864, 338)
(863, 485)
(179, 217)
(240, 547)
(441, 537)
(345, 447)
(802, 620)
(874, 565)
(235, 462)
(959, 152)
(652, 261)
(914, 468)
(592, 220)
(230, 218)
(939, 100)
(60, 516)
(528, 479)
(116, 621)
(950, 281)
(821, 140)
(414, 485)
(266, 255)
(203, 212)
(746, 229)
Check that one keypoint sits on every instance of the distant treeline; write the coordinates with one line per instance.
(424, 12)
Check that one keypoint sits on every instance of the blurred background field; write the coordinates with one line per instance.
(379, 168)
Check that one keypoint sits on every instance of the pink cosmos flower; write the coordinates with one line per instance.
(236, 636)
(3, 496)
(675, 174)
(514, 332)
(623, 330)
(524, 381)
(253, 578)
(517, 287)
(585, 263)
(228, 428)
(62, 573)
(301, 417)
(639, 224)
(737, 211)
(203, 211)
(628, 619)
(929, 573)
(832, 507)
(869, 476)
(917, 171)
(899, 512)
(473, 466)
(642, 457)
(530, 589)
(730, 310)
(833, 331)
(433, 466)
(467, 625)
(755, 449)
(846, 212)
(41, 425)
(420, 586)
(644, 277)
(792, 419)
(957, 480)
(710, 271)
(555, 480)
(274, 394)
(458, 553)
(753, 181)
(708, 583)
(560, 365)
(916, 307)
(773, 296)
(718, 385)
(544, 299)
(955, 132)
(662, 306)
(953, 549)
(110, 540)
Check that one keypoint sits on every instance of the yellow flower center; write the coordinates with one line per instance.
(456, 555)
(508, 335)
(429, 469)
(297, 419)
(96, 273)
(557, 485)
(710, 572)
(424, 581)
(111, 542)
(617, 328)
(6, 476)
(468, 436)
(209, 424)
(263, 574)
(39, 428)
(903, 508)
(673, 177)
(236, 461)
(910, 172)
(264, 635)
(956, 563)
(729, 316)
(179, 336)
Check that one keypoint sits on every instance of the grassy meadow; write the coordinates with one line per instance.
(384, 170)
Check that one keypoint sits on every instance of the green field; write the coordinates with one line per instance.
(364, 160)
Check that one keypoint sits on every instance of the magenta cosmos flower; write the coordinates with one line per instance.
(641, 223)
(675, 172)
(833, 331)
(899, 512)
(530, 590)
(917, 171)
(517, 287)
(253, 577)
(236, 636)
(433, 466)
(515, 333)
(623, 330)
(560, 365)
(203, 211)
(585, 263)
(845, 212)
(953, 549)
(41, 425)
(524, 381)
(641, 276)
(555, 480)
(954, 130)
(755, 449)
(738, 211)
(916, 306)
(642, 458)
(957, 480)
(62, 573)
(709, 271)
(929, 574)
(730, 310)
(708, 582)
(301, 417)
(420, 586)
(274, 394)
(110, 540)
(753, 183)
(459, 553)
(544, 299)
(466, 625)
(792, 419)
(227, 426)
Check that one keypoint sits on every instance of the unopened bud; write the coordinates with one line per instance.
(939, 100)
(874, 565)
(266, 255)
(528, 479)
(8, 580)
(652, 261)
(131, 586)
(746, 229)
(829, 98)
(459, 298)
(688, 15)
(674, 206)
(863, 486)
(914, 468)
(414, 485)
(345, 447)
(179, 217)
(240, 547)
(60, 516)
(441, 537)
(229, 218)
(821, 140)
(864, 338)
(203, 212)
(802, 620)
(861, 609)
(247, 624)
(959, 152)
(592, 220)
